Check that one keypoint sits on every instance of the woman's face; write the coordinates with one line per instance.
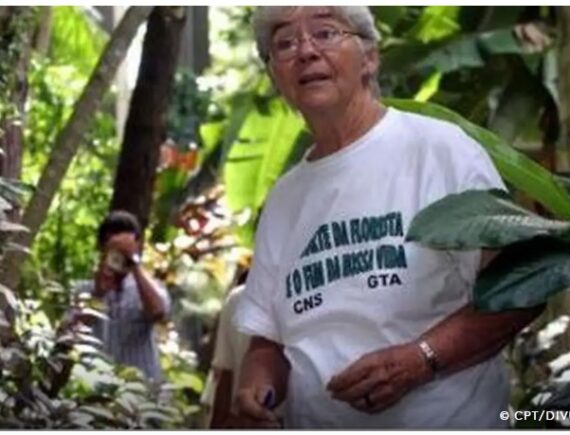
(311, 73)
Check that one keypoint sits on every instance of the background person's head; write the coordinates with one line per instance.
(341, 42)
(117, 222)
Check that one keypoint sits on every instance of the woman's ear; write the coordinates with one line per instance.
(371, 62)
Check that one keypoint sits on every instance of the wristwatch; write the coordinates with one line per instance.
(430, 356)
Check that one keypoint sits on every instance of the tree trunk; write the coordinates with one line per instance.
(194, 48)
(43, 32)
(69, 138)
(16, 34)
(4, 14)
(145, 129)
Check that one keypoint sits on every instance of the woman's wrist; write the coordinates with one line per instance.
(432, 362)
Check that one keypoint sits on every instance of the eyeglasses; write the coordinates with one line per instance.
(284, 47)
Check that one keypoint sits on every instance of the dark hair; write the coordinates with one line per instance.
(118, 221)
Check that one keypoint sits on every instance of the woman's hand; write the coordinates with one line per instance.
(379, 379)
(255, 408)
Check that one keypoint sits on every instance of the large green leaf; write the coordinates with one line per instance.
(524, 274)
(491, 17)
(457, 54)
(502, 41)
(454, 52)
(259, 156)
(519, 170)
(435, 23)
(76, 38)
(480, 219)
(241, 106)
(517, 117)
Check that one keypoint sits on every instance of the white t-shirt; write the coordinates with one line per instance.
(332, 278)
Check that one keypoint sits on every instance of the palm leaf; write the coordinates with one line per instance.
(259, 156)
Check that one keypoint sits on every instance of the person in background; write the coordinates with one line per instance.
(230, 348)
(354, 325)
(134, 302)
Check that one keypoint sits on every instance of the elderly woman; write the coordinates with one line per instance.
(353, 326)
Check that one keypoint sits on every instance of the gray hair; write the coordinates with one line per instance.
(359, 18)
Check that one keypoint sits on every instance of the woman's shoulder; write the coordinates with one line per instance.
(427, 126)
(285, 187)
(437, 135)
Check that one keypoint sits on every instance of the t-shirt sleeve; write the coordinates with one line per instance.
(255, 311)
(480, 172)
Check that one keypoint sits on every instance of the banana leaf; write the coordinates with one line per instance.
(260, 154)
(524, 275)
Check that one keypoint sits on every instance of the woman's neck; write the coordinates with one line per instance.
(334, 131)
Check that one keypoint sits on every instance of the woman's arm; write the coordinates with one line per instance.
(265, 371)
(465, 338)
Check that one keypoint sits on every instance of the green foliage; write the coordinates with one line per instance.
(15, 38)
(184, 382)
(199, 263)
(183, 172)
(60, 379)
(525, 274)
(54, 375)
(435, 23)
(76, 38)
(485, 67)
(258, 139)
(235, 64)
(239, 31)
(190, 107)
(65, 246)
(11, 194)
(266, 139)
(54, 89)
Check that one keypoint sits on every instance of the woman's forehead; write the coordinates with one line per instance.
(289, 15)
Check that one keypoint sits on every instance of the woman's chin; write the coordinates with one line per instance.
(315, 103)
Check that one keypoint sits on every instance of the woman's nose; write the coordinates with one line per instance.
(306, 48)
